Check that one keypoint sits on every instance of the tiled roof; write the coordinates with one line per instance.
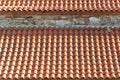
(59, 5)
(59, 53)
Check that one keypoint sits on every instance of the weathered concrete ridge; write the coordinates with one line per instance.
(59, 20)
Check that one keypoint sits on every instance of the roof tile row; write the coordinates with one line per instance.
(59, 53)
(59, 5)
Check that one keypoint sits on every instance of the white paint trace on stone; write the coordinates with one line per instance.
(59, 21)
(94, 21)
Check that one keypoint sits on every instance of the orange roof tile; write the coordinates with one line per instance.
(59, 5)
(59, 53)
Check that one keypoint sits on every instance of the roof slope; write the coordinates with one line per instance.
(59, 53)
(59, 5)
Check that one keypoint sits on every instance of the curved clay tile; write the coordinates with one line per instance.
(54, 53)
(59, 5)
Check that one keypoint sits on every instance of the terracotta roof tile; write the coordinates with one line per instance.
(59, 53)
(59, 5)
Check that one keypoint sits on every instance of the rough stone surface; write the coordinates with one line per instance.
(59, 20)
